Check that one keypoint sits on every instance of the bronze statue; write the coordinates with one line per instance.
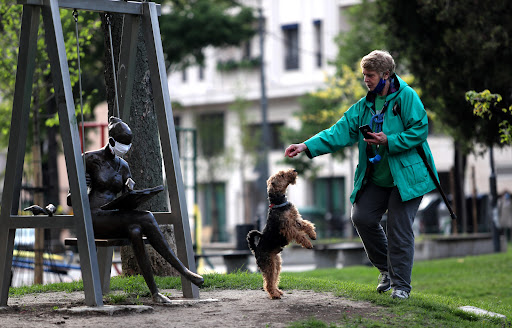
(107, 175)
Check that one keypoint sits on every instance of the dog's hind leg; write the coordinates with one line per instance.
(271, 277)
(269, 284)
(277, 272)
(264, 263)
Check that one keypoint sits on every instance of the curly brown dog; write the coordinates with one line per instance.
(284, 225)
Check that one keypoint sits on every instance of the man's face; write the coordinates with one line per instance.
(372, 78)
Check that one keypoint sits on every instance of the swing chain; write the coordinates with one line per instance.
(75, 16)
(108, 18)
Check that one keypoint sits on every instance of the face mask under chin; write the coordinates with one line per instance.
(379, 87)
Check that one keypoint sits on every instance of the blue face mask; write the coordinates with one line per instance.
(379, 87)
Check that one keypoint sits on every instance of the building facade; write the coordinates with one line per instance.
(298, 43)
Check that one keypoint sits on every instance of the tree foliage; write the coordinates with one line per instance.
(187, 28)
(42, 96)
(190, 26)
(485, 105)
(364, 35)
(452, 47)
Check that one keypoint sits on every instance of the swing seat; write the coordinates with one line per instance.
(105, 252)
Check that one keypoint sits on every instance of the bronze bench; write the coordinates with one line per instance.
(105, 252)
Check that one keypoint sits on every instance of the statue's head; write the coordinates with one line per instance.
(120, 136)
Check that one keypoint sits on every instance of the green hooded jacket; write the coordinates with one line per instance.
(406, 127)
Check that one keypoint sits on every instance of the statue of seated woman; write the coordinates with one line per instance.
(107, 176)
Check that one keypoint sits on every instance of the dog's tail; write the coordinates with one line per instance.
(251, 239)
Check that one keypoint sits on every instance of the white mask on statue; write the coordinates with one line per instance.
(119, 149)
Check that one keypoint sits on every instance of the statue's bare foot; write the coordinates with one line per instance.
(195, 278)
(159, 298)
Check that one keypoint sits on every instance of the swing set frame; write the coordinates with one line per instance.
(136, 13)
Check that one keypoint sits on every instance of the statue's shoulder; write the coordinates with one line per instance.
(96, 157)
(123, 162)
(124, 166)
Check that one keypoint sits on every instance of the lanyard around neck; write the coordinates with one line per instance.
(377, 119)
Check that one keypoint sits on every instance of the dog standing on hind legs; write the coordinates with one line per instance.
(284, 225)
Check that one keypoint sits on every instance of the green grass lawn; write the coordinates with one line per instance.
(482, 281)
(439, 288)
(485, 278)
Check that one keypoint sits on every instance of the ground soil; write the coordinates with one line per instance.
(228, 308)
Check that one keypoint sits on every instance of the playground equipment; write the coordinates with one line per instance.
(136, 13)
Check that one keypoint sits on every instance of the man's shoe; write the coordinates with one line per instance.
(400, 294)
(384, 282)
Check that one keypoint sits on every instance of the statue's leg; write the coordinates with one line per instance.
(142, 258)
(139, 249)
(157, 240)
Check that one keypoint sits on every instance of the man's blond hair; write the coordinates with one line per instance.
(380, 61)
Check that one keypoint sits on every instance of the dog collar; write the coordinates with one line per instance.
(280, 205)
(277, 200)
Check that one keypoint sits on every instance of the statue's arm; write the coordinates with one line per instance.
(127, 177)
(88, 181)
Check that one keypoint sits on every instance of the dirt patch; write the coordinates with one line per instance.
(234, 308)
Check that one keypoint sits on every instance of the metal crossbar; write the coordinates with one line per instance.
(111, 6)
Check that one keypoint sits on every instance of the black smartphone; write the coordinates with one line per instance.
(364, 130)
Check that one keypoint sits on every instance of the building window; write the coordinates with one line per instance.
(246, 50)
(212, 198)
(291, 46)
(201, 72)
(276, 141)
(184, 76)
(318, 43)
(177, 123)
(329, 199)
(210, 129)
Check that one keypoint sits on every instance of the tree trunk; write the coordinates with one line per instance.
(144, 156)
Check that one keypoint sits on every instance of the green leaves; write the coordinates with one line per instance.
(485, 104)
(191, 26)
(452, 48)
(42, 88)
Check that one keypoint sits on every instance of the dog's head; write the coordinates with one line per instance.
(278, 182)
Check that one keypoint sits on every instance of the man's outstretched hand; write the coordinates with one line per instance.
(294, 149)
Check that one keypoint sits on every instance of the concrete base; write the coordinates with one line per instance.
(106, 309)
(188, 302)
(116, 309)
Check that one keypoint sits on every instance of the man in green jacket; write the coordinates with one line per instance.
(390, 176)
